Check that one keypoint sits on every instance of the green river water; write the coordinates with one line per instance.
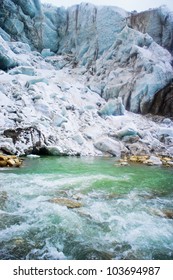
(122, 214)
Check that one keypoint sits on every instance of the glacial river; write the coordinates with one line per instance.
(125, 213)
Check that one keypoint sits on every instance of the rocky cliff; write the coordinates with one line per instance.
(72, 78)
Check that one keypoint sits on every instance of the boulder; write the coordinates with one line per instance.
(138, 158)
(107, 145)
(3, 199)
(7, 145)
(10, 161)
(153, 160)
(53, 150)
(69, 203)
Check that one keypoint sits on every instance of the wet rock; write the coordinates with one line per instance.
(122, 162)
(164, 213)
(7, 220)
(10, 161)
(167, 161)
(153, 160)
(139, 159)
(3, 199)
(52, 150)
(69, 203)
(92, 254)
(168, 214)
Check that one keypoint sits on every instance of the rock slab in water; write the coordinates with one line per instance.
(66, 202)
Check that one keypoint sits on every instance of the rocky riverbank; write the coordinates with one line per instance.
(10, 161)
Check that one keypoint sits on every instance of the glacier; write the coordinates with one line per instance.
(72, 79)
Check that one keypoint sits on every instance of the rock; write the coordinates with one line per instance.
(3, 199)
(153, 160)
(167, 161)
(112, 108)
(139, 159)
(163, 103)
(148, 160)
(9, 161)
(164, 213)
(69, 203)
(107, 145)
(54, 150)
(7, 145)
(168, 214)
(122, 163)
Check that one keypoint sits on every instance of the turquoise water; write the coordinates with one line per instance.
(122, 214)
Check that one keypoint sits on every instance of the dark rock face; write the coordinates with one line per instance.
(163, 102)
(32, 136)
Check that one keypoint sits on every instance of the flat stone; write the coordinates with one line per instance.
(69, 203)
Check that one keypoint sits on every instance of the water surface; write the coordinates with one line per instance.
(122, 214)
